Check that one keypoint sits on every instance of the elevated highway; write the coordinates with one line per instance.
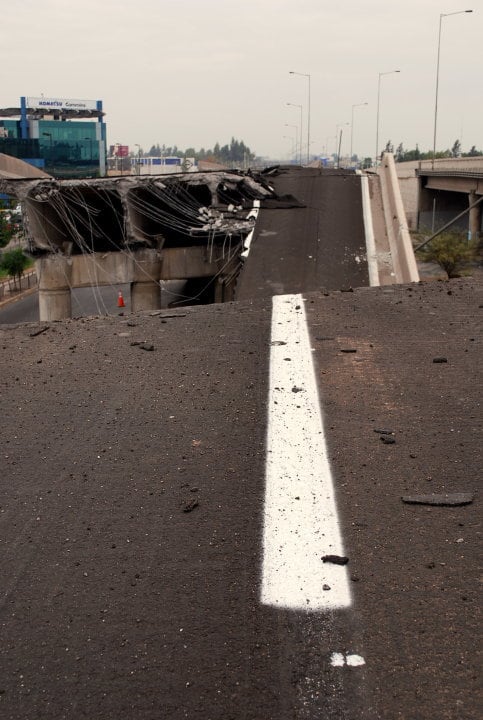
(436, 192)
(340, 227)
(256, 509)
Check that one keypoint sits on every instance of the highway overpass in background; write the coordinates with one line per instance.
(435, 193)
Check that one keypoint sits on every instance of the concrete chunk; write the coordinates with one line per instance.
(441, 500)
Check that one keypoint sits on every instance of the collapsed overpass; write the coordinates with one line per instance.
(139, 231)
(198, 227)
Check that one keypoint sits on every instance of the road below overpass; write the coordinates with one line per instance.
(85, 301)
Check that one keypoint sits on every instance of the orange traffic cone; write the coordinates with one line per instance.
(120, 300)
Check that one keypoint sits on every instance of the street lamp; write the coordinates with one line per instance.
(301, 125)
(390, 72)
(138, 159)
(292, 72)
(352, 125)
(338, 142)
(442, 15)
(288, 137)
(296, 137)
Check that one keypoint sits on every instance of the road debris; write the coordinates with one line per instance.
(39, 332)
(190, 505)
(441, 500)
(335, 559)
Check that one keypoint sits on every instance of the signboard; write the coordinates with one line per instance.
(121, 150)
(49, 103)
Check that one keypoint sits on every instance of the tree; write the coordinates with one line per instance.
(456, 149)
(389, 147)
(235, 153)
(14, 262)
(155, 151)
(399, 157)
(451, 251)
(7, 230)
(473, 152)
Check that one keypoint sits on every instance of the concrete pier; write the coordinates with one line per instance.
(475, 217)
(145, 288)
(54, 274)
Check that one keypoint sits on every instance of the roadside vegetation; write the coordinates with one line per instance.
(7, 228)
(456, 151)
(13, 263)
(234, 152)
(13, 260)
(452, 251)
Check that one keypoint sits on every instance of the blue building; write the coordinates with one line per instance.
(66, 138)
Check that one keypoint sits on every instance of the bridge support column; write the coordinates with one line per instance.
(54, 273)
(474, 226)
(145, 288)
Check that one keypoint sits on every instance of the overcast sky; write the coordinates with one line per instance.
(197, 72)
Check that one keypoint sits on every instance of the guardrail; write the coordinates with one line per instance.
(450, 173)
(13, 286)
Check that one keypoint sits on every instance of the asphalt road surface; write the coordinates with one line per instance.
(136, 524)
(321, 245)
(85, 302)
(205, 514)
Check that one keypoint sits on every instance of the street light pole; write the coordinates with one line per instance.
(441, 16)
(338, 141)
(292, 72)
(296, 137)
(301, 126)
(352, 125)
(287, 137)
(138, 171)
(390, 72)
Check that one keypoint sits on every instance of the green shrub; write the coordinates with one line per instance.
(451, 251)
(7, 229)
(14, 262)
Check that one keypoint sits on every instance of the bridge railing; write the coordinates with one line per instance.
(404, 261)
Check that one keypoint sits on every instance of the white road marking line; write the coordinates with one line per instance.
(248, 240)
(338, 659)
(355, 660)
(300, 515)
(369, 233)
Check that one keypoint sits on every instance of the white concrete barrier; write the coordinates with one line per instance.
(404, 261)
